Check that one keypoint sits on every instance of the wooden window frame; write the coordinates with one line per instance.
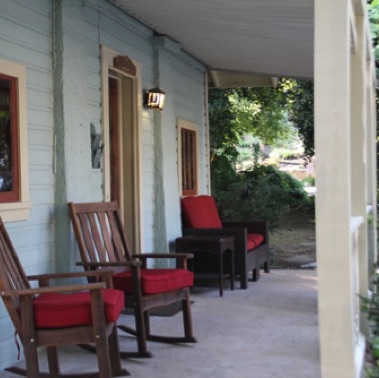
(14, 194)
(15, 205)
(188, 158)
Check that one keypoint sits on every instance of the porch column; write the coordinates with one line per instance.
(72, 124)
(167, 212)
(341, 174)
(358, 155)
(371, 153)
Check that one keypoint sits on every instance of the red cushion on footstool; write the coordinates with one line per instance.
(155, 281)
(58, 310)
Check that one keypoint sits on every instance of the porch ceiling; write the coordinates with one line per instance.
(259, 37)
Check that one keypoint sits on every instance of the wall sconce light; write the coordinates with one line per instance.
(155, 98)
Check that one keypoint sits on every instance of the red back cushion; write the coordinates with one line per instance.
(200, 212)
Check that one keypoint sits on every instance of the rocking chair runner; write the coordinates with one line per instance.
(55, 316)
(103, 243)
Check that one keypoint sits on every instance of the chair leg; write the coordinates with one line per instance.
(101, 339)
(31, 359)
(267, 267)
(243, 280)
(187, 319)
(146, 319)
(114, 355)
(52, 360)
(256, 274)
(141, 331)
(29, 339)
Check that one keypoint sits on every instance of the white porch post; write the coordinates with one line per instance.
(344, 172)
(358, 155)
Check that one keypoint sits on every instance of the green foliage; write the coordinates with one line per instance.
(373, 12)
(299, 101)
(263, 193)
(234, 113)
(370, 306)
(266, 113)
(308, 181)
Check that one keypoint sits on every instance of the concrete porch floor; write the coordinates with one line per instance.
(267, 331)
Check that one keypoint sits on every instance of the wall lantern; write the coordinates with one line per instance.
(155, 98)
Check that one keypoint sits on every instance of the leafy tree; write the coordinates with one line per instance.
(299, 102)
(373, 11)
(262, 112)
(263, 192)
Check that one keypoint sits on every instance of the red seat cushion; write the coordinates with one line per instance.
(154, 281)
(58, 310)
(254, 241)
(200, 212)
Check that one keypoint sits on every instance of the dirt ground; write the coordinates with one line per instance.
(293, 243)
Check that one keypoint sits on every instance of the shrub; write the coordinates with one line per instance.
(308, 181)
(370, 306)
(263, 193)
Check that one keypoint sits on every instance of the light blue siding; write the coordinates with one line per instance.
(25, 38)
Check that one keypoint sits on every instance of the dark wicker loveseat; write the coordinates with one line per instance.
(251, 241)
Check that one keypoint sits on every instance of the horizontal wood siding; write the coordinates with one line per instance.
(189, 106)
(185, 99)
(107, 25)
(25, 38)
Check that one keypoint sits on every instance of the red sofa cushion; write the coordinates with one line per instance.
(59, 310)
(254, 241)
(200, 212)
(154, 281)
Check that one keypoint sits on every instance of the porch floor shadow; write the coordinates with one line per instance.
(269, 330)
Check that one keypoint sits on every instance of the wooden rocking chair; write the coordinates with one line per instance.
(102, 243)
(54, 316)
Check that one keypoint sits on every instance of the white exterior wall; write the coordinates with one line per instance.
(26, 38)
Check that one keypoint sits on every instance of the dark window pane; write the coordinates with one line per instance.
(5, 137)
(189, 174)
(8, 140)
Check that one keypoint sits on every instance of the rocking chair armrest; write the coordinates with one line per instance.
(53, 289)
(110, 264)
(52, 276)
(104, 275)
(179, 256)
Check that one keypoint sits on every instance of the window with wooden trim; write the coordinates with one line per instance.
(14, 178)
(9, 164)
(188, 158)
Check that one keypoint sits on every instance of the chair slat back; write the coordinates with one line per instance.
(12, 276)
(99, 232)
